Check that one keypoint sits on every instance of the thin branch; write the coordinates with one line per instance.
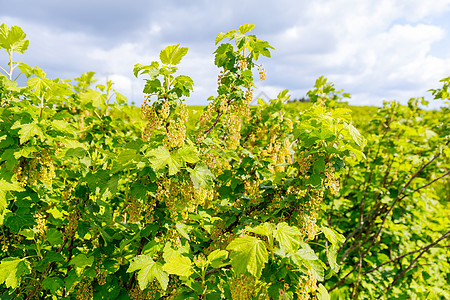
(412, 264)
(215, 123)
(398, 198)
(395, 259)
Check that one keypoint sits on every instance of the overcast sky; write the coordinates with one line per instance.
(375, 50)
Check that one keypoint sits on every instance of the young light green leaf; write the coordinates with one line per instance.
(11, 271)
(332, 236)
(162, 158)
(94, 97)
(27, 131)
(183, 229)
(13, 39)
(148, 271)
(316, 269)
(172, 55)
(188, 154)
(201, 176)
(356, 135)
(249, 255)
(217, 257)
(244, 28)
(265, 229)
(287, 236)
(332, 258)
(322, 293)
(178, 265)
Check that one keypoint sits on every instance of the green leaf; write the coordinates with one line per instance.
(319, 165)
(39, 84)
(4, 188)
(303, 254)
(81, 261)
(288, 236)
(249, 255)
(54, 237)
(53, 284)
(356, 135)
(148, 271)
(322, 293)
(172, 55)
(201, 176)
(178, 265)
(332, 258)
(183, 229)
(216, 258)
(94, 97)
(244, 28)
(265, 229)
(161, 158)
(332, 236)
(188, 154)
(316, 269)
(11, 271)
(27, 131)
(13, 39)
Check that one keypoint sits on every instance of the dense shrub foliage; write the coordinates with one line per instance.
(235, 202)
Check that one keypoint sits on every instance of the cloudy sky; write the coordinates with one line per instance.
(375, 50)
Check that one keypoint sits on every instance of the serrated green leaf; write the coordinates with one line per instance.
(332, 258)
(244, 28)
(149, 270)
(39, 84)
(304, 254)
(265, 229)
(220, 36)
(332, 236)
(183, 229)
(81, 261)
(178, 265)
(217, 257)
(287, 236)
(54, 237)
(316, 269)
(162, 158)
(94, 97)
(13, 39)
(53, 284)
(356, 135)
(188, 154)
(27, 131)
(322, 293)
(249, 254)
(201, 176)
(172, 55)
(4, 188)
(11, 271)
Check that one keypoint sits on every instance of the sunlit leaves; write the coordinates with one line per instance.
(13, 39)
(161, 157)
(11, 271)
(178, 265)
(28, 131)
(148, 270)
(249, 254)
(201, 176)
(172, 55)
